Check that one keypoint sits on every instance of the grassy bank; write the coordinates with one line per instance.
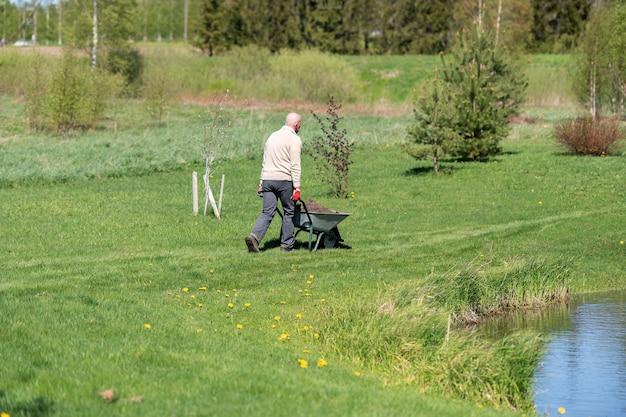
(110, 282)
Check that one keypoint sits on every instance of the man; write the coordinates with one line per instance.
(280, 180)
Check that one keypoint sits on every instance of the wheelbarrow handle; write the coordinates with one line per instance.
(310, 224)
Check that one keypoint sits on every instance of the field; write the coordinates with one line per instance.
(116, 299)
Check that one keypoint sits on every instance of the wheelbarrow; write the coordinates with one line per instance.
(322, 225)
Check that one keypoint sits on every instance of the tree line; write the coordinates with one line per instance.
(388, 26)
(335, 26)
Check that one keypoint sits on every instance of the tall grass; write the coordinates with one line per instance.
(550, 81)
(255, 74)
(481, 289)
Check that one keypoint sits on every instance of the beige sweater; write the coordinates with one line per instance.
(281, 158)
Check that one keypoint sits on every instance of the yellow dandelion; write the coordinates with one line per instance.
(273, 326)
(185, 289)
(306, 328)
(540, 202)
(277, 318)
(303, 363)
(321, 363)
(246, 305)
(200, 304)
(308, 295)
(283, 337)
(316, 335)
(211, 271)
(311, 276)
(621, 242)
(357, 373)
(198, 330)
(561, 410)
(283, 302)
(227, 295)
(5, 415)
(309, 282)
(305, 351)
(202, 289)
(147, 326)
(479, 405)
(150, 264)
(231, 305)
(193, 296)
(323, 300)
(299, 316)
(240, 326)
(234, 289)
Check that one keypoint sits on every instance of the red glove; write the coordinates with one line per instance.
(296, 194)
(259, 190)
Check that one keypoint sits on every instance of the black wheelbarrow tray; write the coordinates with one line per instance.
(322, 225)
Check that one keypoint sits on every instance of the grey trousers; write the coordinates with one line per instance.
(272, 192)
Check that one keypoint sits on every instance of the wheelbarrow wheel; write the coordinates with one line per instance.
(328, 241)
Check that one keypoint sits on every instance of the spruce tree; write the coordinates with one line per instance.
(466, 110)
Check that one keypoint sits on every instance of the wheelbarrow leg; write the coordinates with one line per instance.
(319, 238)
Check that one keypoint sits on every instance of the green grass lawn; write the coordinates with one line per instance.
(92, 259)
(109, 282)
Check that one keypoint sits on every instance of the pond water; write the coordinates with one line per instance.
(584, 367)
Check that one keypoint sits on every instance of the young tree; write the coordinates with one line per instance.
(213, 30)
(601, 78)
(216, 138)
(467, 110)
(332, 151)
(434, 117)
(558, 23)
(510, 21)
(416, 27)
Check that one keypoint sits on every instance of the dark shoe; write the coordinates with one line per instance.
(253, 245)
(286, 249)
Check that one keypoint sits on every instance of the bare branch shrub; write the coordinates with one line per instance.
(332, 150)
(587, 135)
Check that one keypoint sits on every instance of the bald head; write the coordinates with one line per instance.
(293, 120)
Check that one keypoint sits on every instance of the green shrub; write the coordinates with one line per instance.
(246, 63)
(35, 94)
(127, 62)
(587, 135)
(158, 93)
(313, 76)
(78, 95)
(67, 98)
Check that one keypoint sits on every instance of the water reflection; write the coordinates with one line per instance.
(584, 367)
